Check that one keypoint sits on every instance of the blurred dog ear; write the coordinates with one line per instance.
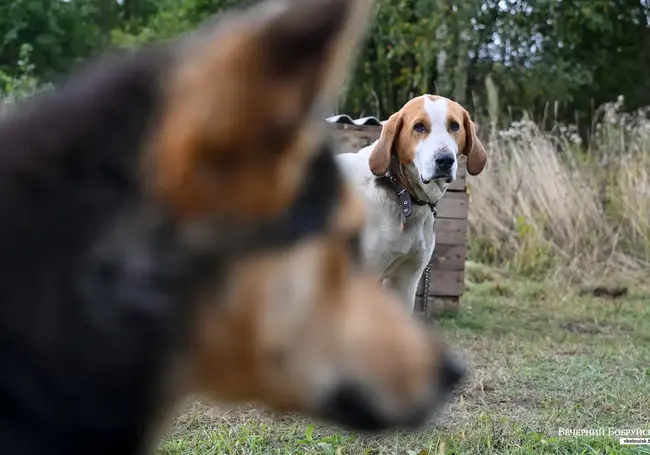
(238, 125)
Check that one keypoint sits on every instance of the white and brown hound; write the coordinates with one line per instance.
(402, 176)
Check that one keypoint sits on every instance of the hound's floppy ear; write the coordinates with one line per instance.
(379, 160)
(474, 150)
(238, 127)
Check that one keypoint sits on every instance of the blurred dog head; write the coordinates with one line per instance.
(295, 324)
(181, 206)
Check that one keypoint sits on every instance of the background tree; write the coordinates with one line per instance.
(553, 59)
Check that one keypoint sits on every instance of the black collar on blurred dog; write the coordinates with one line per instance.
(406, 199)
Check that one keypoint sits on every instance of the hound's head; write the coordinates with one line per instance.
(426, 136)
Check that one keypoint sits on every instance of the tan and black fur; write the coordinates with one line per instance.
(173, 222)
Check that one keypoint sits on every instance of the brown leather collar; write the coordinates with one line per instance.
(405, 197)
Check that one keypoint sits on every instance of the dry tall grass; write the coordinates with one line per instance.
(545, 206)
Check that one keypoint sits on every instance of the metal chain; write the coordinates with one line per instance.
(425, 291)
(427, 274)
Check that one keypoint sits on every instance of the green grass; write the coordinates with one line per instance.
(541, 359)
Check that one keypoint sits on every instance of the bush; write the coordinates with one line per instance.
(21, 85)
(546, 206)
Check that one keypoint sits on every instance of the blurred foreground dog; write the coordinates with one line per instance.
(173, 222)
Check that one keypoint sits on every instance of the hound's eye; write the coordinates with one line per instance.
(420, 127)
(454, 126)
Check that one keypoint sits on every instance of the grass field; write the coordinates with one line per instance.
(543, 358)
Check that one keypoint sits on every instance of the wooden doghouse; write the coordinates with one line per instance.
(442, 284)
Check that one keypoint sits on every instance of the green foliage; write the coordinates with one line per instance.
(172, 17)
(326, 445)
(535, 254)
(574, 53)
(59, 32)
(23, 83)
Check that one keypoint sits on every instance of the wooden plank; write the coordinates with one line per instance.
(449, 257)
(446, 283)
(345, 142)
(453, 205)
(374, 130)
(339, 135)
(451, 232)
(460, 184)
(445, 257)
(350, 144)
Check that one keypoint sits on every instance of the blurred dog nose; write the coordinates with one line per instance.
(452, 371)
(350, 407)
(444, 162)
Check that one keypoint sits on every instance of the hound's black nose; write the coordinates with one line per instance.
(445, 162)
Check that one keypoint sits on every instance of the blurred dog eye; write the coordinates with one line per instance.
(454, 126)
(420, 127)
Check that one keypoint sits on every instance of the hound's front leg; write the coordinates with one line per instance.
(404, 282)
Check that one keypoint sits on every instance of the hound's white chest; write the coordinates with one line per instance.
(390, 247)
(411, 241)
